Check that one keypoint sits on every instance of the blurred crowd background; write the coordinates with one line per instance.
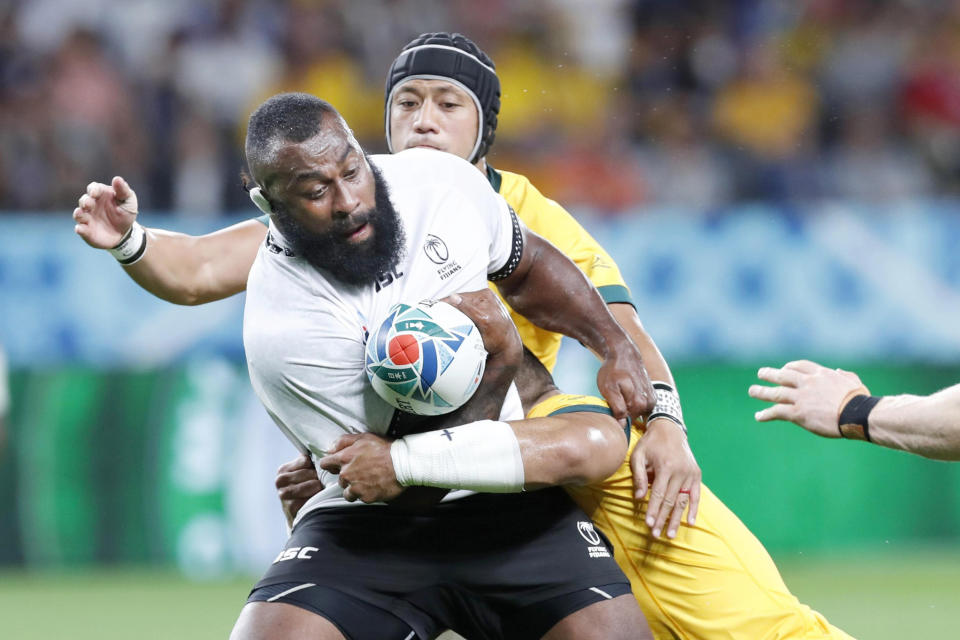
(606, 103)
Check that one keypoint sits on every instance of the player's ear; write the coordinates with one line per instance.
(256, 195)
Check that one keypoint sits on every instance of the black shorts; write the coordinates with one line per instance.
(486, 566)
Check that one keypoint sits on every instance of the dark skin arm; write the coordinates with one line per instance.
(550, 291)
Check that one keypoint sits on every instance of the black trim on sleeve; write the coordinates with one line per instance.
(516, 251)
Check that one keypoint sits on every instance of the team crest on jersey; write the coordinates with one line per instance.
(436, 249)
(438, 253)
(595, 548)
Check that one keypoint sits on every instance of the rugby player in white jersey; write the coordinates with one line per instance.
(346, 242)
(442, 92)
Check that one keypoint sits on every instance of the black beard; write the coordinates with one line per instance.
(357, 264)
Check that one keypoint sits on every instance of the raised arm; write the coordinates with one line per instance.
(547, 288)
(833, 403)
(176, 267)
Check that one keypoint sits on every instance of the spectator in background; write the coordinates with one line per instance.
(701, 102)
(221, 66)
(317, 61)
(767, 117)
(931, 102)
(90, 115)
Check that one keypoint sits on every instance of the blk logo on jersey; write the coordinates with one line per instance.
(595, 548)
(388, 278)
(275, 248)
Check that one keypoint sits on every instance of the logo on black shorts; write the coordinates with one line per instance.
(596, 548)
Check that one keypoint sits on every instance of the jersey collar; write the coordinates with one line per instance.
(494, 177)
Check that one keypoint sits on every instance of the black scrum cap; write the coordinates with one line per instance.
(454, 58)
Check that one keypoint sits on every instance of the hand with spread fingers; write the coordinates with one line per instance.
(807, 394)
(296, 482)
(105, 212)
(664, 454)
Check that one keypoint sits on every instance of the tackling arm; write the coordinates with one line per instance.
(549, 290)
(176, 267)
(569, 449)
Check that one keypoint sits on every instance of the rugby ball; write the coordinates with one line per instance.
(426, 359)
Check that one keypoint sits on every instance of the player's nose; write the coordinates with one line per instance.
(426, 118)
(348, 200)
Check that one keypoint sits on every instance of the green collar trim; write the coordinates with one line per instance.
(494, 177)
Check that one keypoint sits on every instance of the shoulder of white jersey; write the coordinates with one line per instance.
(428, 167)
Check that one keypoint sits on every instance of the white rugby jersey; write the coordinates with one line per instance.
(304, 332)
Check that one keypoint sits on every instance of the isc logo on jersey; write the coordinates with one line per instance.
(425, 359)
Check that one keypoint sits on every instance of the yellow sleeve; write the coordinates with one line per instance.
(548, 219)
(568, 403)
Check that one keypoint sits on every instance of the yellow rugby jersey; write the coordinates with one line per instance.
(714, 580)
(548, 219)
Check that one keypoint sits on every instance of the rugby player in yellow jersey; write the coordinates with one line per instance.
(714, 580)
(442, 93)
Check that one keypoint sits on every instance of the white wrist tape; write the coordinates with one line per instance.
(668, 404)
(132, 245)
(481, 456)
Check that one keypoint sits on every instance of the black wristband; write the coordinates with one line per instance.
(854, 417)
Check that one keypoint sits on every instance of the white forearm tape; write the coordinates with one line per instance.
(481, 456)
(132, 246)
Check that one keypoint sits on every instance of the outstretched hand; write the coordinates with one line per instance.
(105, 213)
(809, 395)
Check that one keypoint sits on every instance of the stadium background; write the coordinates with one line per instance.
(776, 179)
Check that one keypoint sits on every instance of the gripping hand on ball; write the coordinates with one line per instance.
(105, 212)
(500, 337)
